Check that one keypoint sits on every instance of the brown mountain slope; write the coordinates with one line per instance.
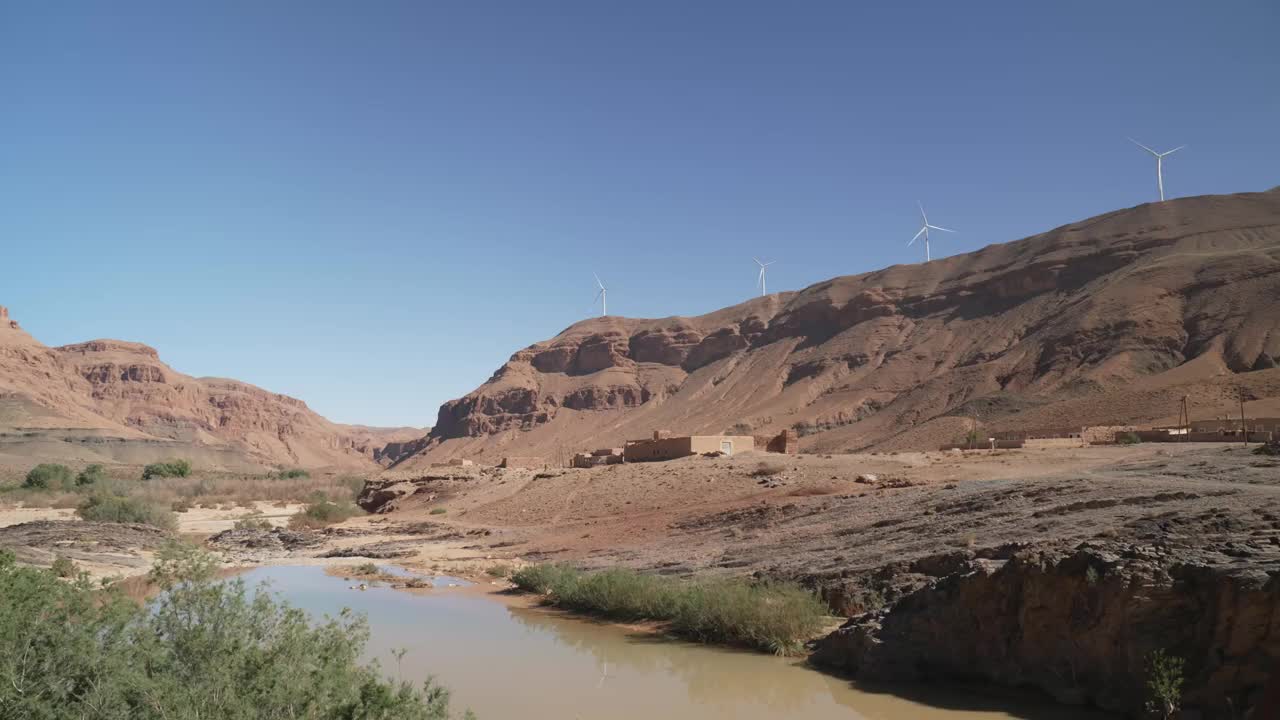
(1106, 320)
(109, 400)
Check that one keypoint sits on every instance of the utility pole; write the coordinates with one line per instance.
(1184, 419)
(1244, 429)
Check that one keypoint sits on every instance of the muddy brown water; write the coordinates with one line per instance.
(505, 661)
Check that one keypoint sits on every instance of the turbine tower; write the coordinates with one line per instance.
(760, 281)
(1159, 163)
(925, 232)
(602, 296)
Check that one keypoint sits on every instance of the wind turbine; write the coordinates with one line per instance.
(925, 232)
(1159, 163)
(602, 296)
(760, 281)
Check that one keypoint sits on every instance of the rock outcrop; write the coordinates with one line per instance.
(1079, 624)
(1104, 321)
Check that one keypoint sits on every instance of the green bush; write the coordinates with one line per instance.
(202, 649)
(91, 475)
(63, 567)
(171, 468)
(253, 522)
(49, 476)
(438, 511)
(1164, 683)
(1128, 439)
(322, 511)
(291, 474)
(776, 617)
(102, 507)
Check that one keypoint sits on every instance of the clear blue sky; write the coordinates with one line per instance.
(371, 205)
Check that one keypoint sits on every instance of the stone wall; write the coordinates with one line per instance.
(528, 462)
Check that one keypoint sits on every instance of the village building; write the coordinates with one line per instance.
(664, 446)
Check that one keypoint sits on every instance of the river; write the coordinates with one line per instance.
(503, 660)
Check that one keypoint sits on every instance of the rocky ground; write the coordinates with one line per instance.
(1057, 569)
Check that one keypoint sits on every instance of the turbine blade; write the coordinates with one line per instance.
(1144, 147)
(593, 302)
(758, 262)
(917, 237)
(926, 217)
(1170, 152)
(597, 277)
(935, 227)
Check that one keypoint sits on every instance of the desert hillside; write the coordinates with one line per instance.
(1111, 319)
(116, 401)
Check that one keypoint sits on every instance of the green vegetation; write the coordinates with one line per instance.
(202, 649)
(1128, 439)
(104, 507)
(291, 474)
(1164, 683)
(63, 567)
(776, 617)
(438, 511)
(321, 512)
(253, 522)
(171, 468)
(499, 571)
(364, 570)
(49, 476)
(91, 475)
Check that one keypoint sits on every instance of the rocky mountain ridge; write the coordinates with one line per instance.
(1101, 321)
(118, 390)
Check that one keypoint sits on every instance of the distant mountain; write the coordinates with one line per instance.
(115, 401)
(1112, 319)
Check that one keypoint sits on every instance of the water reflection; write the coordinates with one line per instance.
(506, 662)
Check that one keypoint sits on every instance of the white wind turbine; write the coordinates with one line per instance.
(760, 281)
(925, 232)
(602, 296)
(1159, 163)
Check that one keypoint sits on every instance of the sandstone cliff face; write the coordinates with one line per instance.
(1070, 327)
(1079, 624)
(122, 389)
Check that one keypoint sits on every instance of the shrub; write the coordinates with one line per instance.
(291, 474)
(171, 468)
(438, 511)
(200, 649)
(353, 483)
(1164, 683)
(91, 475)
(321, 512)
(498, 571)
(767, 468)
(364, 570)
(102, 507)
(63, 567)
(1128, 439)
(253, 522)
(1270, 449)
(49, 476)
(777, 617)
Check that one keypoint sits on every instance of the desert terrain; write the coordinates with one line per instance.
(878, 535)
(1059, 569)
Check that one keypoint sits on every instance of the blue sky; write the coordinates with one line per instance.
(372, 205)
